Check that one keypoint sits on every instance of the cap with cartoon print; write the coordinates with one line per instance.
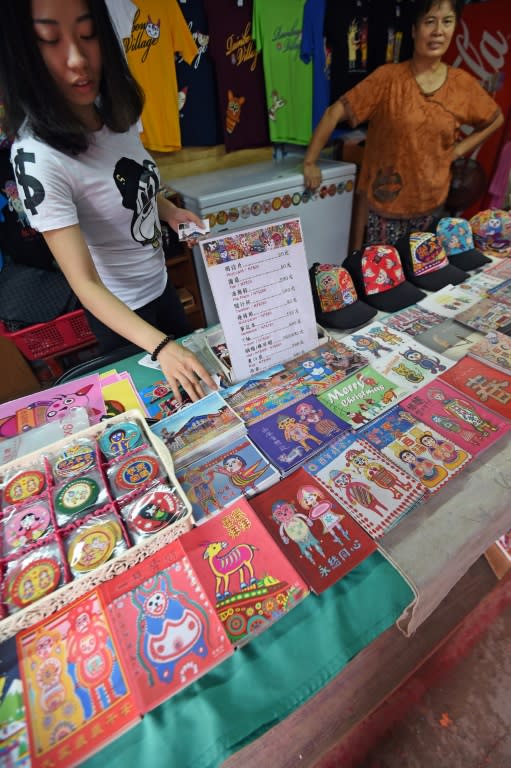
(336, 302)
(455, 235)
(425, 262)
(492, 231)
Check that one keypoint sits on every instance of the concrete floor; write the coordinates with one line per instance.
(454, 712)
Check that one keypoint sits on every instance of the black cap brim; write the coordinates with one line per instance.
(471, 259)
(448, 275)
(352, 316)
(403, 295)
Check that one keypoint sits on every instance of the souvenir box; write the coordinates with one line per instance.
(128, 504)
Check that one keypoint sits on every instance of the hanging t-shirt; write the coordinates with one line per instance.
(277, 30)
(122, 13)
(348, 36)
(390, 22)
(239, 74)
(198, 114)
(159, 31)
(314, 49)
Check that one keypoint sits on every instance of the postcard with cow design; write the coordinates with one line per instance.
(313, 529)
(246, 577)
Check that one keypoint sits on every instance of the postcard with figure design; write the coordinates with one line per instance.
(494, 349)
(247, 579)
(373, 489)
(412, 320)
(501, 292)
(412, 365)
(470, 425)
(483, 383)
(415, 447)
(450, 300)
(500, 270)
(363, 396)
(325, 365)
(199, 428)
(238, 469)
(317, 535)
(76, 691)
(293, 434)
(451, 338)
(375, 341)
(487, 315)
(167, 631)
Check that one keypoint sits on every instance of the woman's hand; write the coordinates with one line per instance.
(180, 367)
(176, 216)
(311, 175)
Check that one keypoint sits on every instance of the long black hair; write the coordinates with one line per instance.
(422, 8)
(30, 93)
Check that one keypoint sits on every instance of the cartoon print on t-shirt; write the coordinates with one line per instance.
(233, 112)
(138, 185)
(152, 29)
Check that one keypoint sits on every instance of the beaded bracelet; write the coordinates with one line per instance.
(158, 349)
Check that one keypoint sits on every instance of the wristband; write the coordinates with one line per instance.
(158, 349)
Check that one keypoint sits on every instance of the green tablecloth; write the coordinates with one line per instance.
(267, 679)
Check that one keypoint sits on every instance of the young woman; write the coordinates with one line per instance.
(85, 179)
(415, 110)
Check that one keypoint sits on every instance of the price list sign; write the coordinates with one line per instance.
(260, 282)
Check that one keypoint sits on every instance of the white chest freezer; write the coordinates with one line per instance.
(253, 195)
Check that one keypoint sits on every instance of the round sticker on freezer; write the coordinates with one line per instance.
(222, 217)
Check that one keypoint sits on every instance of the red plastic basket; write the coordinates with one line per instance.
(64, 334)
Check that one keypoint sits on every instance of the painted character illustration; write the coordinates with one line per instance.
(442, 450)
(296, 432)
(377, 473)
(318, 507)
(138, 185)
(430, 363)
(202, 492)
(423, 468)
(311, 415)
(294, 526)
(225, 565)
(168, 628)
(355, 491)
(233, 111)
(243, 478)
(277, 102)
(414, 377)
(463, 410)
(152, 29)
(369, 344)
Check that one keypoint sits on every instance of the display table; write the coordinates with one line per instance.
(437, 547)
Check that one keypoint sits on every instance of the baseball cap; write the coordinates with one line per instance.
(492, 231)
(425, 262)
(336, 302)
(455, 236)
(379, 277)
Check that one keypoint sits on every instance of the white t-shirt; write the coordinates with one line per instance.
(110, 191)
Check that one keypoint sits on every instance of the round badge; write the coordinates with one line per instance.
(266, 206)
(286, 201)
(74, 460)
(349, 185)
(297, 198)
(155, 512)
(340, 187)
(26, 525)
(332, 189)
(221, 217)
(255, 209)
(120, 438)
(136, 471)
(35, 580)
(24, 486)
(245, 211)
(276, 203)
(93, 546)
(77, 495)
(212, 220)
(234, 214)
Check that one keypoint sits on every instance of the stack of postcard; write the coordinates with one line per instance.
(487, 315)
(494, 349)
(483, 383)
(412, 320)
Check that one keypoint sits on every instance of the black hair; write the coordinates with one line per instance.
(30, 93)
(422, 8)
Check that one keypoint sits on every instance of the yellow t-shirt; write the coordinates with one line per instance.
(409, 148)
(159, 31)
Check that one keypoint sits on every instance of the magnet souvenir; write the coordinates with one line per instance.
(23, 486)
(93, 545)
(30, 582)
(120, 438)
(136, 471)
(74, 460)
(154, 511)
(26, 525)
(76, 496)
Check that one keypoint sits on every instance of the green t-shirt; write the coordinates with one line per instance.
(277, 31)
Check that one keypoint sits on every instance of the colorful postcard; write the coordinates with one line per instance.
(412, 320)
(214, 482)
(483, 383)
(484, 280)
(412, 365)
(487, 315)
(500, 269)
(375, 341)
(325, 365)
(363, 396)
(264, 392)
(451, 338)
(167, 631)
(51, 405)
(75, 690)
(13, 729)
(247, 579)
(417, 448)
(470, 425)
(373, 489)
(450, 300)
(199, 428)
(316, 534)
(501, 292)
(494, 349)
(120, 395)
(293, 434)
